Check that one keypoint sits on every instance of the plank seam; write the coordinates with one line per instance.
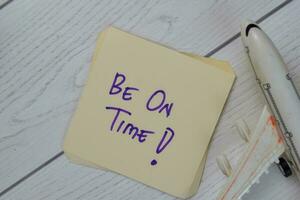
(237, 35)
(5, 4)
(31, 173)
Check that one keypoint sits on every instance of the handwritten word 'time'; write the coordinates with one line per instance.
(127, 128)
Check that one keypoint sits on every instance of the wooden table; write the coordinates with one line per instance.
(45, 51)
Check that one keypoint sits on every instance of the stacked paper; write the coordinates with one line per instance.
(148, 112)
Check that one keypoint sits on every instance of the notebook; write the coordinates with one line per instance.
(148, 112)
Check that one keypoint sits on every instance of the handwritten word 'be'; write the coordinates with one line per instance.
(118, 123)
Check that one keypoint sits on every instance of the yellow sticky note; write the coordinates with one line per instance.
(148, 112)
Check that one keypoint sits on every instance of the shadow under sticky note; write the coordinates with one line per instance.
(148, 112)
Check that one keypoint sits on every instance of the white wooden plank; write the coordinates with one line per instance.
(45, 51)
(63, 180)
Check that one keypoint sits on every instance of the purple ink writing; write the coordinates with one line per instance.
(116, 87)
(161, 106)
(164, 142)
(143, 134)
(119, 110)
(129, 128)
(156, 102)
(127, 95)
(118, 80)
(153, 162)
